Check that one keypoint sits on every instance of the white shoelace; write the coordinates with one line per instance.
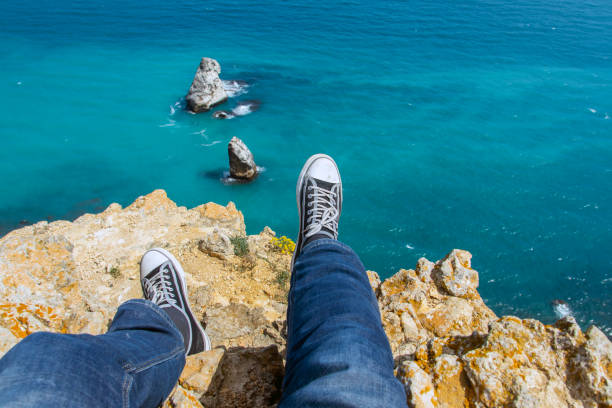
(159, 289)
(325, 211)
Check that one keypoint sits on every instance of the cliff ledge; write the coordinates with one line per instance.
(450, 349)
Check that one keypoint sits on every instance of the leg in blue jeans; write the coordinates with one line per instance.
(135, 364)
(337, 353)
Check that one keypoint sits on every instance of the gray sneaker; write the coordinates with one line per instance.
(319, 201)
(163, 283)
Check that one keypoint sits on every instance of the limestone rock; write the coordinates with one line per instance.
(591, 368)
(181, 398)
(206, 89)
(419, 387)
(424, 268)
(247, 378)
(217, 243)
(426, 309)
(242, 164)
(455, 275)
(450, 381)
(450, 349)
(199, 371)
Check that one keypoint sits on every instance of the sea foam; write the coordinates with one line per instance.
(234, 88)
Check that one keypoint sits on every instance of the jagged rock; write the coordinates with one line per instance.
(199, 371)
(242, 164)
(591, 368)
(449, 381)
(206, 89)
(419, 387)
(424, 268)
(217, 243)
(450, 349)
(455, 275)
(247, 378)
(182, 398)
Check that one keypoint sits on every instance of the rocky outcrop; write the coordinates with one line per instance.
(206, 89)
(241, 162)
(450, 349)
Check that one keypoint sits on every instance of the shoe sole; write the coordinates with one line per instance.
(179, 269)
(298, 194)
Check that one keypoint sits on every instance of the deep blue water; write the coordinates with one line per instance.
(483, 125)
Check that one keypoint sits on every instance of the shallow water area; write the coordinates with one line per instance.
(482, 125)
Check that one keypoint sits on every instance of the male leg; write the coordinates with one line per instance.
(337, 353)
(135, 364)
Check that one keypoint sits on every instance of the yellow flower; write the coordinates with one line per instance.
(283, 244)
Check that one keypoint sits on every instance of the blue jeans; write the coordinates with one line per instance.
(337, 352)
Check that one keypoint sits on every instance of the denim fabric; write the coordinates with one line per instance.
(135, 364)
(337, 353)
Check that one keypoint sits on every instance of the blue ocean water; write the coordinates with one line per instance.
(483, 125)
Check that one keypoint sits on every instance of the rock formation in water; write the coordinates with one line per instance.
(241, 162)
(206, 89)
(450, 349)
(242, 108)
(223, 114)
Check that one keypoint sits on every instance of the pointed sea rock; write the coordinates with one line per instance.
(242, 164)
(206, 89)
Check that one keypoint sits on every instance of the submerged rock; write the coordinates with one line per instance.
(223, 114)
(206, 89)
(242, 164)
(242, 108)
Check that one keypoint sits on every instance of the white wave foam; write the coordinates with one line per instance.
(235, 88)
(214, 142)
(561, 309)
(200, 132)
(242, 110)
(178, 105)
(169, 124)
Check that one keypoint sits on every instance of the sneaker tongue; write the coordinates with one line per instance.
(154, 272)
(323, 184)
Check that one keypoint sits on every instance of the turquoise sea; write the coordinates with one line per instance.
(481, 125)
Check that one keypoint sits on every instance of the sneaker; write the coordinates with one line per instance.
(163, 283)
(319, 201)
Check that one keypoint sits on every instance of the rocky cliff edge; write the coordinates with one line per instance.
(450, 349)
